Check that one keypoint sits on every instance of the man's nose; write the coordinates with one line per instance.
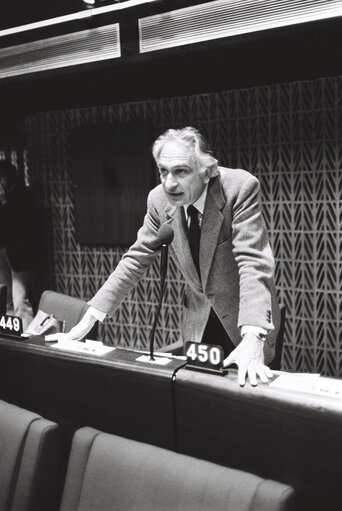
(170, 182)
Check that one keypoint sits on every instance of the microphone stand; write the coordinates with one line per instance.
(163, 269)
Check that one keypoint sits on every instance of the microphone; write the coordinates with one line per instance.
(164, 238)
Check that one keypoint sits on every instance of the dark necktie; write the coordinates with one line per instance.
(214, 332)
(194, 235)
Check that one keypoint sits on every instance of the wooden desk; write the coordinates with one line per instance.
(292, 437)
(113, 393)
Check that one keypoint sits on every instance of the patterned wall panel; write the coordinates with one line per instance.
(289, 136)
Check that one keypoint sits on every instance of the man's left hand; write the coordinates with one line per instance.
(249, 357)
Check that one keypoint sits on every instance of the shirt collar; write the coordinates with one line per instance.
(200, 203)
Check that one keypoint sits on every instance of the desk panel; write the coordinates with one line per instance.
(292, 437)
(289, 436)
(113, 393)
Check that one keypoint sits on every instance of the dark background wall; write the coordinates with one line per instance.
(289, 136)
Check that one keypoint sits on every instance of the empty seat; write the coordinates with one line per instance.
(276, 362)
(66, 308)
(29, 467)
(108, 473)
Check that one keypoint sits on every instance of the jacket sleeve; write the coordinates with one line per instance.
(132, 266)
(253, 256)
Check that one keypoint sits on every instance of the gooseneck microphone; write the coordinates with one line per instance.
(164, 238)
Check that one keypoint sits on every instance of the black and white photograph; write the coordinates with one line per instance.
(171, 255)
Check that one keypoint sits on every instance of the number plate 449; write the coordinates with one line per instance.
(11, 325)
(204, 357)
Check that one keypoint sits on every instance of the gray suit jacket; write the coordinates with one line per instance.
(236, 261)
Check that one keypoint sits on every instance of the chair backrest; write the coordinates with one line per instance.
(29, 468)
(66, 308)
(276, 362)
(107, 472)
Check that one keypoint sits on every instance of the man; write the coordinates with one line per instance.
(20, 233)
(230, 297)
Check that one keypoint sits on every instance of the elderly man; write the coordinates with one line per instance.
(221, 247)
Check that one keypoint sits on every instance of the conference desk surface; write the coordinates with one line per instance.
(290, 436)
(113, 392)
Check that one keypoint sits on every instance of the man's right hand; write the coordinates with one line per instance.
(78, 332)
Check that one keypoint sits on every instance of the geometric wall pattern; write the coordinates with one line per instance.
(290, 137)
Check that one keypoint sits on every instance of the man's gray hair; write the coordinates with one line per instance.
(191, 137)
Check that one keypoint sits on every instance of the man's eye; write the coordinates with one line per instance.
(181, 172)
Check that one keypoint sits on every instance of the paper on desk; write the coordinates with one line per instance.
(329, 387)
(303, 382)
(158, 361)
(91, 347)
(311, 383)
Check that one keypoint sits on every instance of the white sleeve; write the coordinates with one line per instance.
(99, 315)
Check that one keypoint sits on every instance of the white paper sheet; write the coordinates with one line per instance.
(91, 347)
(157, 361)
(311, 383)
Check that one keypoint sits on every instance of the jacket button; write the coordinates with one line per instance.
(210, 296)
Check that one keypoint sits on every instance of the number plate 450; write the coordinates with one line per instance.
(204, 357)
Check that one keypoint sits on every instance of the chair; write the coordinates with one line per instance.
(29, 470)
(276, 362)
(66, 308)
(175, 348)
(107, 472)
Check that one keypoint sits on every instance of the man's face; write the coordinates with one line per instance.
(182, 179)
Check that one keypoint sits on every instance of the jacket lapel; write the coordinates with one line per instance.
(210, 230)
(180, 243)
(211, 226)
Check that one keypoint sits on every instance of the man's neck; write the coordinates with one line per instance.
(200, 202)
